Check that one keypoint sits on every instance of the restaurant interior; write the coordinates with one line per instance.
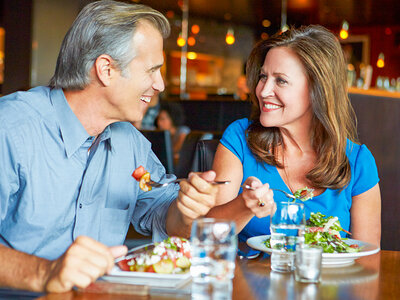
(220, 36)
(205, 59)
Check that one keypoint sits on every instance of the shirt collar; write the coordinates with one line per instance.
(72, 131)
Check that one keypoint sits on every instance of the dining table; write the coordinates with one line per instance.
(375, 276)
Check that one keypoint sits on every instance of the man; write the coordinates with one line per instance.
(67, 152)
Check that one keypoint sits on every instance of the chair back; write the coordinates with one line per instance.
(187, 152)
(204, 155)
(162, 147)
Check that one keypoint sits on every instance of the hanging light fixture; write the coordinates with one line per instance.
(230, 36)
(344, 32)
(284, 25)
(195, 29)
(381, 60)
(180, 41)
(191, 40)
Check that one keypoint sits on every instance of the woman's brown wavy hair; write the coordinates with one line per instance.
(334, 120)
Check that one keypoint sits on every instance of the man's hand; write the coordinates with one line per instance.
(196, 196)
(83, 262)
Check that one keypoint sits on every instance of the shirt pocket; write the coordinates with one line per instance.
(114, 225)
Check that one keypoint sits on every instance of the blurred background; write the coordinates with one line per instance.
(216, 37)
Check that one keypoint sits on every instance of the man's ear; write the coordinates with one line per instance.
(104, 69)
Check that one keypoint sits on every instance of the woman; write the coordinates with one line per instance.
(171, 117)
(302, 133)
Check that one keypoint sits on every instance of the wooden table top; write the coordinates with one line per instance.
(371, 277)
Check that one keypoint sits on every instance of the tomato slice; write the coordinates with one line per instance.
(123, 264)
(138, 173)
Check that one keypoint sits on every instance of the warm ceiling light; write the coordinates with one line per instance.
(381, 60)
(195, 29)
(180, 41)
(191, 55)
(344, 32)
(230, 37)
(264, 36)
(170, 14)
(266, 23)
(191, 41)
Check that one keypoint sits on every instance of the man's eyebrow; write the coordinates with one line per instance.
(156, 67)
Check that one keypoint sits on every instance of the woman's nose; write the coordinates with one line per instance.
(267, 89)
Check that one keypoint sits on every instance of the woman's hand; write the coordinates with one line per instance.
(259, 198)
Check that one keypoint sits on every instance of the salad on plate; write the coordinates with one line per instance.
(325, 232)
(171, 256)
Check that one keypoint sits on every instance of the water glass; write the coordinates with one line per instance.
(287, 231)
(308, 264)
(214, 247)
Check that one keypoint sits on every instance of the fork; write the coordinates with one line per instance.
(155, 184)
(247, 187)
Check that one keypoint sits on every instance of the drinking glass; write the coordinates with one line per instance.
(308, 263)
(287, 231)
(214, 246)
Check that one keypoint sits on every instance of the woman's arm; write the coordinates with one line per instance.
(366, 216)
(239, 208)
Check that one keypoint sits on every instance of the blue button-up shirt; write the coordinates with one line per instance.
(57, 182)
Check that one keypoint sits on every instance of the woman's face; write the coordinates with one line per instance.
(164, 121)
(282, 91)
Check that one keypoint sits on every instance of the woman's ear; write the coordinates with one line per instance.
(104, 69)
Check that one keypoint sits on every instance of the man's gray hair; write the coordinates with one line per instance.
(102, 27)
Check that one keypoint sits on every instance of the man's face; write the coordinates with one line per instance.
(130, 94)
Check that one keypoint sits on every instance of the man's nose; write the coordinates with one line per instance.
(159, 82)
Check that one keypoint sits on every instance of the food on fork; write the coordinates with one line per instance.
(141, 175)
(171, 256)
(304, 194)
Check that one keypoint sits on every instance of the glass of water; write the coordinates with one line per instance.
(214, 247)
(287, 231)
(308, 263)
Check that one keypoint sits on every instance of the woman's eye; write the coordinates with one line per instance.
(281, 81)
(262, 77)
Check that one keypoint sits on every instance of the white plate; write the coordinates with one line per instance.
(328, 259)
(146, 278)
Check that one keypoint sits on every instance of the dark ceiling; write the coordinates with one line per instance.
(329, 13)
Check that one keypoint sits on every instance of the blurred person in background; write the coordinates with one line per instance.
(302, 133)
(171, 117)
(67, 152)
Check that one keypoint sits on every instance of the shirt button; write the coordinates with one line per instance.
(80, 205)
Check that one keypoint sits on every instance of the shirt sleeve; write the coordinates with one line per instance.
(9, 181)
(365, 172)
(234, 138)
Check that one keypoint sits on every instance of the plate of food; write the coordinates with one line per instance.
(164, 264)
(324, 232)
